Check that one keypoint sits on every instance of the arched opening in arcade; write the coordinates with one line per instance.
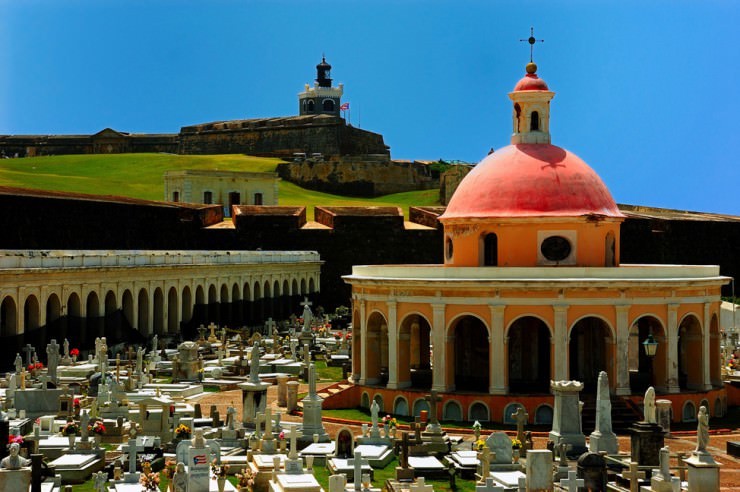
(377, 340)
(172, 310)
(259, 305)
(93, 316)
(142, 318)
(414, 368)
(224, 308)
(213, 310)
(53, 309)
(74, 313)
(715, 361)
(31, 314)
(467, 355)
(127, 305)
(8, 317)
(158, 311)
(248, 304)
(590, 351)
(529, 356)
(237, 307)
(646, 370)
(690, 354)
(186, 305)
(110, 303)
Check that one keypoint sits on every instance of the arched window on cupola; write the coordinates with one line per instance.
(518, 110)
(534, 124)
(490, 250)
(328, 105)
(310, 105)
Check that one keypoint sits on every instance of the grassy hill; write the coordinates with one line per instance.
(141, 176)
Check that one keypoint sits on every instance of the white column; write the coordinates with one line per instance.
(706, 347)
(438, 343)
(561, 343)
(622, 355)
(392, 345)
(672, 351)
(363, 344)
(497, 382)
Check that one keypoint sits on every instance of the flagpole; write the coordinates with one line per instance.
(359, 117)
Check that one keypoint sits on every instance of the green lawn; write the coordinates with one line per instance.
(141, 176)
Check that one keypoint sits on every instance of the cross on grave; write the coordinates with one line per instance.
(420, 486)
(521, 417)
(131, 449)
(130, 353)
(358, 470)
(44, 380)
(484, 457)
(269, 326)
(405, 450)
(306, 302)
(28, 349)
(634, 476)
(212, 335)
(432, 399)
(572, 483)
(202, 333)
(490, 486)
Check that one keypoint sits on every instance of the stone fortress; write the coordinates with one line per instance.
(325, 153)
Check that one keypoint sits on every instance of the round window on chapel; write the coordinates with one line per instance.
(555, 248)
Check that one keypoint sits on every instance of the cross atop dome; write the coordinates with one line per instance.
(532, 40)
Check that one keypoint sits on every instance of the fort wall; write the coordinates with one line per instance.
(343, 236)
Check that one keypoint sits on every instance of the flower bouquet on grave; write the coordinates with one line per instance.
(516, 444)
(17, 439)
(245, 480)
(71, 428)
(74, 353)
(182, 432)
(480, 444)
(98, 428)
(218, 470)
(149, 479)
(476, 430)
(170, 467)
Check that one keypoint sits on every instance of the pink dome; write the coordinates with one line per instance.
(531, 180)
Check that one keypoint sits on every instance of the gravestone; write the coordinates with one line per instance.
(500, 444)
(539, 471)
(646, 437)
(566, 421)
(592, 469)
(404, 472)
(489, 486)
(312, 422)
(345, 443)
(602, 438)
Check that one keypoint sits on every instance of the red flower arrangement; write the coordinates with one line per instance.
(15, 439)
(74, 352)
(98, 428)
(76, 403)
(38, 365)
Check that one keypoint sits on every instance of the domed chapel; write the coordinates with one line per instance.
(532, 290)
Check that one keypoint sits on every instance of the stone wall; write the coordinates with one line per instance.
(38, 145)
(342, 236)
(359, 175)
(280, 137)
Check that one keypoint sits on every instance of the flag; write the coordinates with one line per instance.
(344, 107)
(199, 459)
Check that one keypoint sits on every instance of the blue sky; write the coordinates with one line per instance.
(647, 92)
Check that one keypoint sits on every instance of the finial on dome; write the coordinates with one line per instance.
(531, 67)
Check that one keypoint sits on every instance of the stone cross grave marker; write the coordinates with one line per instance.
(432, 399)
(29, 350)
(484, 457)
(269, 325)
(405, 450)
(634, 476)
(202, 333)
(293, 445)
(420, 486)
(358, 470)
(490, 486)
(131, 449)
(572, 483)
(212, 336)
(521, 417)
(52, 359)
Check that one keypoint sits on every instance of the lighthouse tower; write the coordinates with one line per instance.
(322, 98)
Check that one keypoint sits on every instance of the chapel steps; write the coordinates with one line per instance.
(623, 415)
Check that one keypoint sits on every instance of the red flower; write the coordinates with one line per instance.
(16, 439)
(76, 402)
(30, 367)
(39, 365)
(74, 352)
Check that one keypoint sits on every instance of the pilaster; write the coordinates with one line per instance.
(561, 342)
(496, 361)
(439, 347)
(706, 347)
(622, 355)
(392, 345)
(363, 345)
(672, 351)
